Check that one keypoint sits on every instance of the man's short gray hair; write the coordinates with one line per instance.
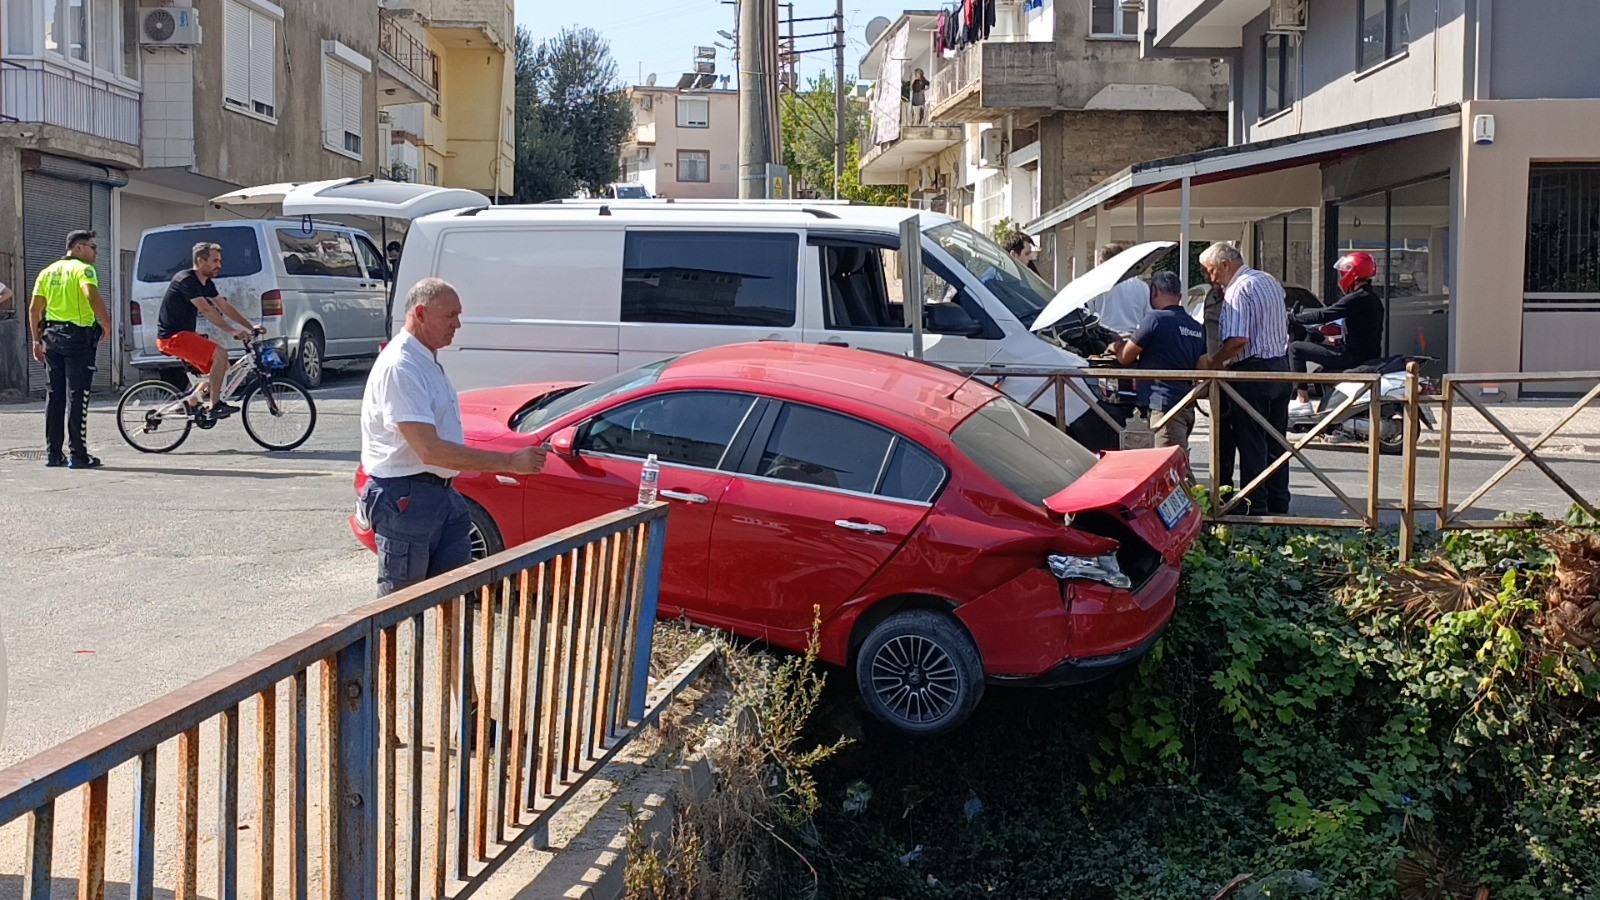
(203, 249)
(1221, 251)
(1167, 283)
(426, 291)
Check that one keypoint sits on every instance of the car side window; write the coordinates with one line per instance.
(710, 278)
(327, 254)
(913, 474)
(691, 428)
(826, 449)
(371, 259)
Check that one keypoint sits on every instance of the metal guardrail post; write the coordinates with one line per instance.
(353, 818)
(1408, 488)
(1446, 424)
(1214, 397)
(656, 551)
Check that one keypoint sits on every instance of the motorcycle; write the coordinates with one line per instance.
(1355, 422)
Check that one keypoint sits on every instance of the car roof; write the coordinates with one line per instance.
(790, 214)
(935, 396)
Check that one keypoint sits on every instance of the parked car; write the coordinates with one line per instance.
(948, 535)
(625, 190)
(583, 289)
(323, 288)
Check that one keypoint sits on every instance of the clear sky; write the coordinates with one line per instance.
(660, 35)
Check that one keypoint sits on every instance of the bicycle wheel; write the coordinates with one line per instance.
(148, 419)
(279, 415)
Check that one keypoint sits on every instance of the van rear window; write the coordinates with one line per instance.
(710, 278)
(163, 254)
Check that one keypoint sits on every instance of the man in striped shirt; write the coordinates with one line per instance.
(1254, 328)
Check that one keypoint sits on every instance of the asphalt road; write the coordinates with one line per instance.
(124, 583)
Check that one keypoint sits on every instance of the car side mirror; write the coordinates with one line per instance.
(949, 318)
(564, 443)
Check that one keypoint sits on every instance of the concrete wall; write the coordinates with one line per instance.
(1080, 149)
(476, 89)
(1429, 74)
(1493, 222)
(1546, 50)
(243, 150)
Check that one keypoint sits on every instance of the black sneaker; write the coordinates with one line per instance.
(84, 462)
(56, 461)
(223, 410)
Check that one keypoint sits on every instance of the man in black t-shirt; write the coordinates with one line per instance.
(194, 292)
(1168, 338)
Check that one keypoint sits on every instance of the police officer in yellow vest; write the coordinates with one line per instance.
(69, 320)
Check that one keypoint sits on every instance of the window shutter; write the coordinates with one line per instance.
(352, 103)
(236, 53)
(332, 104)
(263, 63)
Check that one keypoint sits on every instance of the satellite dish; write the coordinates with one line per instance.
(651, 81)
(876, 28)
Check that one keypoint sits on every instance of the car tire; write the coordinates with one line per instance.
(486, 539)
(920, 672)
(309, 362)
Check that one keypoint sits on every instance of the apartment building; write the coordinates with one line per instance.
(1019, 117)
(447, 90)
(684, 143)
(1455, 141)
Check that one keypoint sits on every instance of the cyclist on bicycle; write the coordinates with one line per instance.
(193, 292)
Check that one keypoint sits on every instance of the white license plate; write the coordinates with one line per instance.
(1174, 508)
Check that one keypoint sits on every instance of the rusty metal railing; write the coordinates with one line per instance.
(533, 663)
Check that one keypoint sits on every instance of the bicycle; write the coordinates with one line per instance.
(277, 413)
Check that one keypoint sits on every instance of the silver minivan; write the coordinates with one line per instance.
(320, 286)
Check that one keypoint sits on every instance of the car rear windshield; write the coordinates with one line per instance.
(164, 254)
(554, 406)
(1022, 451)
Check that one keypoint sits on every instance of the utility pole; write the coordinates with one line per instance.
(838, 97)
(758, 94)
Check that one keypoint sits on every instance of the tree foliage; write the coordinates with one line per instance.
(572, 116)
(808, 127)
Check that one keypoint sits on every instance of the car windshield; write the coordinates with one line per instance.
(1022, 451)
(1012, 283)
(554, 406)
(632, 192)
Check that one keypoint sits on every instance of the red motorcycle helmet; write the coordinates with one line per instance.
(1354, 267)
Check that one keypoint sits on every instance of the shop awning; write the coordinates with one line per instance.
(1225, 163)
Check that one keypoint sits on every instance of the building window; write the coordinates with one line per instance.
(1564, 229)
(694, 112)
(1107, 18)
(101, 33)
(694, 166)
(433, 174)
(249, 60)
(433, 66)
(341, 107)
(1280, 73)
(1385, 30)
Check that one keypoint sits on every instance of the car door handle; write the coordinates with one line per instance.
(506, 479)
(686, 497)
(834, 342)
(863, 527)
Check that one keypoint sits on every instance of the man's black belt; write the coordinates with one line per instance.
(430, 478)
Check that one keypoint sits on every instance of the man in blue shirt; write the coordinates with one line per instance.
(1167, 338)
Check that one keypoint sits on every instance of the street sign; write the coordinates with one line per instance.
(777, 182)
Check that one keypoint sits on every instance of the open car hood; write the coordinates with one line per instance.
(1130, 263)
(370, 197)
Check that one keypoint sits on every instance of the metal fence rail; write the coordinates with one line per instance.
(451, 721)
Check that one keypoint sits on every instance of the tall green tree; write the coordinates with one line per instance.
(808, 136)
(572, 115)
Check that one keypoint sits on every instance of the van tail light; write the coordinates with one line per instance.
(135, 315)
(272, 304)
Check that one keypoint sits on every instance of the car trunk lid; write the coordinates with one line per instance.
(1147, 490)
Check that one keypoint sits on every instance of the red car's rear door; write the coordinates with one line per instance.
(690, 432)
(825, 500)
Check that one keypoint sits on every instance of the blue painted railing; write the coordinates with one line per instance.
(537, 672)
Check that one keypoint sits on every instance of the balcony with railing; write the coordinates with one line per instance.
(953, 92)
(899, 146)
(36, 94)
(407, 69)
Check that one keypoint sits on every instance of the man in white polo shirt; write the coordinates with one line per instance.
(411, 447)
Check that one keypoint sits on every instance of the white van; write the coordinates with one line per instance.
(581, 290)
(322, 287)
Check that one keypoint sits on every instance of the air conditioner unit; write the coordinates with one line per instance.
(169, 26)
(992, 149)
(1286, 16)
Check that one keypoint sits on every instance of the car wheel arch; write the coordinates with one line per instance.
(880, 611)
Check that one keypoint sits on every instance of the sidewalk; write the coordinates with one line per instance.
(1526, 419)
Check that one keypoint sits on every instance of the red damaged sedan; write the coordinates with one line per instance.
(949, 536)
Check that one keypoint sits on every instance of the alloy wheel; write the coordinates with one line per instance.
(915, 679)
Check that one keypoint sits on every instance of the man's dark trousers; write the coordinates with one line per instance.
(69, 357)
(1257, 448)
(422, 528)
